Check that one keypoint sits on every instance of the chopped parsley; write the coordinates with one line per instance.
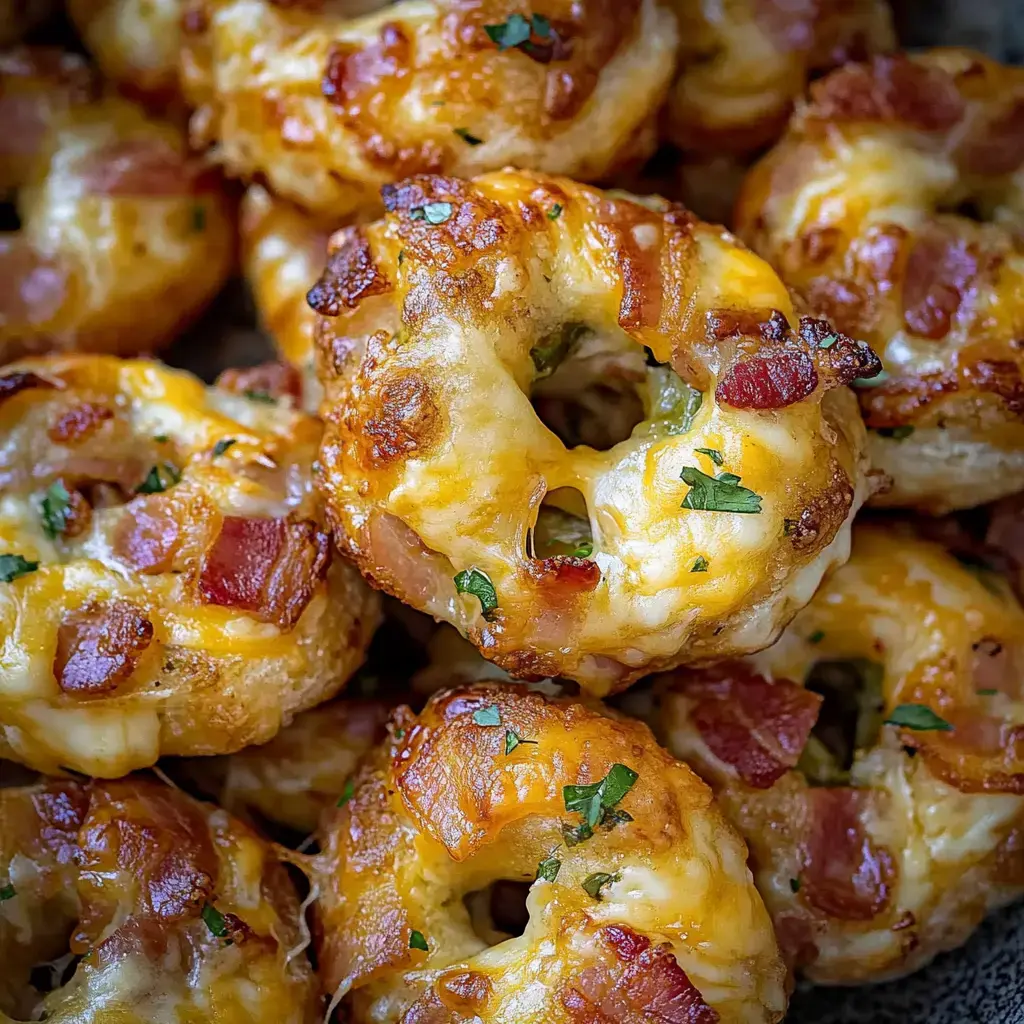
(700, 564)
(593, 884)
(401, 256)
(223, 445)
(13, 566)
(828, 341)
(671, 403)
(432, 213)
(549, 352)
(882, 377)
(467, 136)
(573, 835)
(7, 892)
(161, 438)
(789, 525)
(816, 637)
(478, 583)
(713, 454)
(489, 715)
(548, 868)
(721, 493)
(198, 218)
(215, 921)
(513, 740)
(555, 212)
(417, 941)
(896, 433)
(159, 478)
(257, 395)
(585, 550)
(516, 30)
(56, 506)
(794, 885)
(591, 801)
(348, 791)
(986, 693)
(918, 717)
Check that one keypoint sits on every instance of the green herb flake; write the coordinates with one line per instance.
(895, 433)
(401, 256)
(256, 395)
(555, 212)
(348, 791)
(718, 494)
(7, 892)
(573, 835)
(215, 921)
(159, 479)
(592, 800)
(548, 868)
(789, 525)
(541, 26)
(986, 693)
(468, 137)
(614, 817)
(514, 31)
(794, 885)
(55, 506)
(223, 445)
(13, 566)
(513, 740)
(700, 564)
(161, 438)
(882, 377)
(918, 717)
(432, 213)
(828, 341)
(478, 583)
(552, 349)
(713, 454)
(489, 715)
(198, 218)
(593, 884)
(585, 550)
(672, 405)
(417, 941)
(816, 637)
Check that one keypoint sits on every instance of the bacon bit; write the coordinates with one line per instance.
(133, 168)
(277, 380)
(148, 534)
(78, 422)
(756, 727)
(78, 514)
(643, 984)
(60, 809)
(353, 72)
(768, 381)
(844, 874)
(995, 147)
(1000, 377)
(12, 383)
(844, 360)
(940, 271)
(768, 325)
(266, 567)
(562, 578)
(983, 754)
(33, 285)
(98, 647)
(351, 275)
(464, 991)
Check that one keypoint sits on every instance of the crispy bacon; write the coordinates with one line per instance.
(266, 567)
(562, 578)
(940, 270)
(643, 984)
(33, 285)
(148, 534)
(278, 380)
(141, 167)
(60, 809)
(770, 380)
(351, 275)
(757, 727)
(12, 383)
(78, 422)
(995, 147)
(98, 647)
(844, 874)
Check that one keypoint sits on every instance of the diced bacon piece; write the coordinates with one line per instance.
(98, 647)
(770, 380)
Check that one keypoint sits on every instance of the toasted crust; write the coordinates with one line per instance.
(328, 107)
(193, 619)
(902, 859)
(435, 462)
(852, 208)
(441, 811)
(129, 868)
(116, 217)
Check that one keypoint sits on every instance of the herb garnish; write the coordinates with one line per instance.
(258, 395)
(593, 884)
(478, 583)
(555, 212)
(198, 218)
(548, 869)
(159, 478)
(13, 566)
(223, 445)
(700, 564)
(816, 637)
(720, 493)
(467, 136)
(828, 341)
(794, 885)
(713, 454)
(513, 740)
(549, 352)
(55, 506)
(585, 550)
(215, 921)
(896, 433)
(489, 715)
(918, 717)
(348, 791)
(7, 892)
(432, 213)
(417, 941)
(593, 800)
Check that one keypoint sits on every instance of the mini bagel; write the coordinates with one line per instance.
(116, 217)
(436, 325)
(329, 107)
(173, 909)
(870, 869)
(166, 584)
(648, 915)
(857, 208)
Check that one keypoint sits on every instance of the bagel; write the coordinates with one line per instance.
(437, 322)
(650, 914)
(115, 217)
(326, 108)
(174, 910)
(165, 576)
(895, 205)
(875, 846)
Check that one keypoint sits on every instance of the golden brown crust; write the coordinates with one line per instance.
(176, 593)
(853, 208)
(442, 810)
(169, 902)
(435, 332)
(116, 217)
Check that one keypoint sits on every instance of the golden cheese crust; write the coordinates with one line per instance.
(326, 108)
(895, 207)
(870, 869)
(177, 911)
(166, 583)
(652, 916)
(124, 237)
(442, 322)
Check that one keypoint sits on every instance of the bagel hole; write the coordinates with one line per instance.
(498, 912)
(850, 719)
(563, 526)
(9, 218)
(586, 392)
